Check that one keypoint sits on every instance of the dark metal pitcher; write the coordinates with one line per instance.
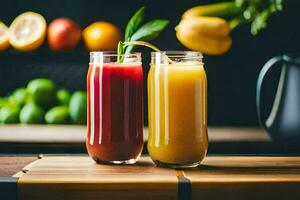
(283, 121)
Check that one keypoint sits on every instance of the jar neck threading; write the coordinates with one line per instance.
(176, 57)
(112, 57)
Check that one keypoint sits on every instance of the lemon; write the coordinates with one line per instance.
(4, 36)
(102, 36)
(27, 32)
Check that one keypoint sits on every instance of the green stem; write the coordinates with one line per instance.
(120, 51)
(235, 22)
(142, 43)
(122, 46)
(225, 10)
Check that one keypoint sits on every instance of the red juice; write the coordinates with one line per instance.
(115, 112)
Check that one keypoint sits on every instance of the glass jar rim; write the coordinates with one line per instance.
(114, 53)
(178, 54)
(177, 57)
(98, 57)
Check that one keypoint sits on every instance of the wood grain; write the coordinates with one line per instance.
(219, 177)
(80, 178)
(252, 177)
(10, 165)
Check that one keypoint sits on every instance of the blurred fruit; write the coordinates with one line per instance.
(27, 32)
(101, 36)
(9, 114)
(77, 107)
(3, 102)
(42, 92)
(63, 96)
(63, 34)
(18, 97)
(31, 114)
(4, 36)
(208, 35)
(222, 9)
(57, 115)
(213, 26)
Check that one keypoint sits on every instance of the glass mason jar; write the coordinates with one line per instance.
(177, 104)
(115, 108)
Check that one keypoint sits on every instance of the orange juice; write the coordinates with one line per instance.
(177, 100)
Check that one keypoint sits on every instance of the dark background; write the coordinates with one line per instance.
(232, 77)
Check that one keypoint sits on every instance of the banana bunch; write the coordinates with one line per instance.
(210, 35)
(201, 28)
(207, 28)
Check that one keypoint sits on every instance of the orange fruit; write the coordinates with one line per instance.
(101, 36)
(27, 31)
(4, 43)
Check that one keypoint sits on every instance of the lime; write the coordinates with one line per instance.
(3, 102)
(42, 92)
(57, 115)
(77, 107)
(9, 114)
(18, 97)
(63, 96)
(31, 114)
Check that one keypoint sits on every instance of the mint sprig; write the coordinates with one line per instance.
(148, 31)
(134, 23)
(136, 31)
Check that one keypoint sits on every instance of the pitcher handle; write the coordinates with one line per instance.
(260, 81)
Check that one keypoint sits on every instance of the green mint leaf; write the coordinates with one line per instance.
(150, 30)
(134, 23)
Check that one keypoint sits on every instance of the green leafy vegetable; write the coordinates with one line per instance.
(257, 12)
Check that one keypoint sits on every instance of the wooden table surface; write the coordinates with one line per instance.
(10, 165)
(77, 177)
(64, 139)
(76, 134)
(219, 177)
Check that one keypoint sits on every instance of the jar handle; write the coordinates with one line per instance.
(260, 81)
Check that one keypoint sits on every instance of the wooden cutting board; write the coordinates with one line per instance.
(80, 178)
(220, 177)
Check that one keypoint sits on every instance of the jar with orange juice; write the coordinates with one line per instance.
(177, 100)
